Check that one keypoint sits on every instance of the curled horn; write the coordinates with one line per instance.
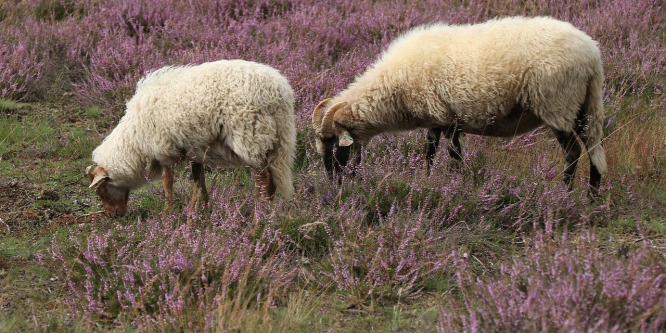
(327, 122)
(317, 115)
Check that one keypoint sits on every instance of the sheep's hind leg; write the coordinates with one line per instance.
(572, 152)
(167, 182)
(595, 175)
(199, 187)
(265, 191)
(263, 182)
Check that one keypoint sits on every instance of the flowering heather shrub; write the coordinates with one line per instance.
(389, 261)
(478, 191)
(170, 274)
(390, 233)
(20, 66)
(563, 285)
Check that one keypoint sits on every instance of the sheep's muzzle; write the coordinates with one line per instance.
(114, 199)
(335, 156)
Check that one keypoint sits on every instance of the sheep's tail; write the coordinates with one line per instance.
(593, 117)
(281, 159)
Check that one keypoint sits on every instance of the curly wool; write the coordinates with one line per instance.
(227, 113)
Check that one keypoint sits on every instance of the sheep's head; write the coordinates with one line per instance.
(334, 141)
(114, 199)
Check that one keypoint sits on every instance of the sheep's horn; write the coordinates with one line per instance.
(327, 122)
(317, 115)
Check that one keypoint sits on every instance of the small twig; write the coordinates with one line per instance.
(91, 214)
(28, 178)
(71, 183)
(461, 222)
(647, 238)
(6, 225)
(477, 259)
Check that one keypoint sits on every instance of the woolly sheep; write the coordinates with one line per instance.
(228, 113)
(500, 78)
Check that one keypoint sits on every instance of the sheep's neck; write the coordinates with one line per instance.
(374, 111)
(121, 157)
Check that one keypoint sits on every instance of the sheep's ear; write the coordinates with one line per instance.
(345, 139)
(97, 176)
(98, 180)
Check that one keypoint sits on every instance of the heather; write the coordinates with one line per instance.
(564, 285)
(495, 243)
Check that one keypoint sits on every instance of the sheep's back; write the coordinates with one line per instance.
(483, 69)
(189, 108)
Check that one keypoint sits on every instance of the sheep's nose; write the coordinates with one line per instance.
(116, 212)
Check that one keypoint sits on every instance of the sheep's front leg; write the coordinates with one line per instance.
(432, 141)
(167, 182)
(452, 134)
(455, 150)
(199, 187)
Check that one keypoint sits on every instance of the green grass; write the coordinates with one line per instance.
(92, 111)
(8, 105)
(75, 143)
(22, 247)
(15, 135)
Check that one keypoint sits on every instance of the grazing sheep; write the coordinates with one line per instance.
(500, 78)
(228, 113)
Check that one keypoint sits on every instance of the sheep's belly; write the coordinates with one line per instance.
(515, 123)
(217, 155)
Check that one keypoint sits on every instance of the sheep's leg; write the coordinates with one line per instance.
(455, 150)
(265, 191)
(595, 175)
(357, 157)
(432, 141)
(452, 134)
(355, 153)
(199, 187)
(167, 182)
(263, 182)
(572, 152)
(595, 180)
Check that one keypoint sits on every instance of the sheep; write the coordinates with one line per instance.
(501, 78)
(227, 113)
